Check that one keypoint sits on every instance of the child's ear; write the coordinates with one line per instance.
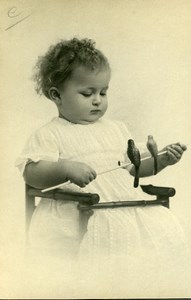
(54, 95)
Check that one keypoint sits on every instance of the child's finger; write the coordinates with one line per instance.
(183, 147)
(92, 177)
(93, 174)
(173, 153)
(177, 148)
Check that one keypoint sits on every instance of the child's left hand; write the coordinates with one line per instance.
(173, 155)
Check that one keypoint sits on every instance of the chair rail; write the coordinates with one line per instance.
(158, 190)
(89, 201)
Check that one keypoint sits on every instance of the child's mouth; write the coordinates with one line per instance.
(95, 111)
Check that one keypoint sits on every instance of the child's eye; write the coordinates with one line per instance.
(103, 94)
(86, 94)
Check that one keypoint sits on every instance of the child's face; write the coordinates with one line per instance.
(83, 98)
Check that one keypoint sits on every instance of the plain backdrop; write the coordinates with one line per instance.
(148, 45)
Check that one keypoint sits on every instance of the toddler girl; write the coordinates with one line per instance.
(77, 145)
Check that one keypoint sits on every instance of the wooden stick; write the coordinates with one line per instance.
(103, 172)
(128, 164)
(56, 186)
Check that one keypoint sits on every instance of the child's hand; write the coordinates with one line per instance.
(80, 173)
(173, 155)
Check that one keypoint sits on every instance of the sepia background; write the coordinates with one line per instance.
(148, 45)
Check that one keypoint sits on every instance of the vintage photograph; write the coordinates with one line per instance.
(96, 149)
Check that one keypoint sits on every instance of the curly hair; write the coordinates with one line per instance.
(57, 65)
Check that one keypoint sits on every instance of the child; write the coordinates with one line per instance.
(79, 144)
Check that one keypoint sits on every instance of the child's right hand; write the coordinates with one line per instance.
(80, 173)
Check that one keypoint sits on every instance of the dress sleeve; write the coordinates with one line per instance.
(41, 145)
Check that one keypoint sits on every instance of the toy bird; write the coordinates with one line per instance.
(153, 149)
(135, 158)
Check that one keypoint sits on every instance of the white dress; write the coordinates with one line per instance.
(120, 237)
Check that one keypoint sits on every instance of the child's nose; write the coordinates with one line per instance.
(96, 99)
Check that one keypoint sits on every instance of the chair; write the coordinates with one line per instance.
(87, 202)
